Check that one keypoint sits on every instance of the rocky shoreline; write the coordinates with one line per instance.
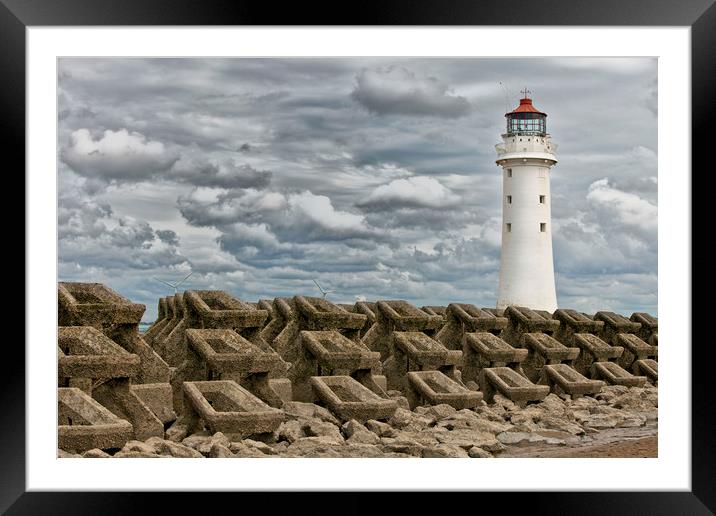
(499, 430)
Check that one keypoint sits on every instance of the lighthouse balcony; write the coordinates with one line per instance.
(526, 144)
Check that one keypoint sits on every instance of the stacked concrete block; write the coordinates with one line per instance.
(623, 332)
(293, 315)
(649, 330)
(440, 311)
(225, 355)
(90, 361)
(367, 309)
(163, 317)
(400, 335)
(330, 353)
(239, 352)
(349, 399)
(464, 318)
(84, 424)
(101, 352)
(224, 406)
(496, 367)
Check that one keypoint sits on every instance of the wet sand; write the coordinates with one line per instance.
(614, 443)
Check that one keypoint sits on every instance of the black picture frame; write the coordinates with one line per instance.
(700, 15)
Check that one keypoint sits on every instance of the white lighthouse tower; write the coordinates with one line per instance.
(526, 157)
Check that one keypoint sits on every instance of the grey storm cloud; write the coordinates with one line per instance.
(374, 176)
(167, 236)
(397, 90)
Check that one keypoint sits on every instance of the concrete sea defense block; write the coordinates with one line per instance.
(434, 388)
(549, 348)
(348, 399)
(403, 316)
(543, 350)
(523, 320)
(224, 354)
(225, 351)
(510, 384)
(94, 304)
(367, 309)
(84, 424)
(614, 324)
(225, 406)
(423, 350)
(649, 325)
(614, 374)
(463, 318)
(331, 353)
(218, 309)
(85, 352)
(492, 349)
(634, 349)
(596, 347)
(569, 380)
(648, 368)
(319, 314)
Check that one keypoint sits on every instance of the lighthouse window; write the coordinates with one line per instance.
(509, 172)
(509, 227)
(509, 199)
(543, 226)
(541, 199)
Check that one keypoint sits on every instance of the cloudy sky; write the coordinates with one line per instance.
(374, 176)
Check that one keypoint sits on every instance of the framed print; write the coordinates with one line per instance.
(317, 245)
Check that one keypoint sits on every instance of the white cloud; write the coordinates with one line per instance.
(629, 208)
(413, 191)
(118, 155)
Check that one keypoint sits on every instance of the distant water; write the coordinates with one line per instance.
(144, 326)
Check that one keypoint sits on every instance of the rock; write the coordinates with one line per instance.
(478, 453)
(516, 437)
(313, 447)
(505, 403)
(96, 453)
(632, 401)
(177, 432)
(297, 409)
(220, 451)
(553, 404)
(380, 429)
(121, 454)
(258, 445)
(360, 450)
(317, 428)
(633, 421)
(485, 425)
(441, 411)
(139, 447)
(407, 446)
(178, 450)
(290, 431)
(513, 437)
(563, 425)
(356, 433)
(243, 451)
(62, 454)
(202, 442)
(401, 418)
(466, 439)
(444, 451)
(472, 385)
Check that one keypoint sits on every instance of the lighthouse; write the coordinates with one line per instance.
(526, 156)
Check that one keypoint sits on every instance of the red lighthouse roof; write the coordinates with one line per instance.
(526, 107)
